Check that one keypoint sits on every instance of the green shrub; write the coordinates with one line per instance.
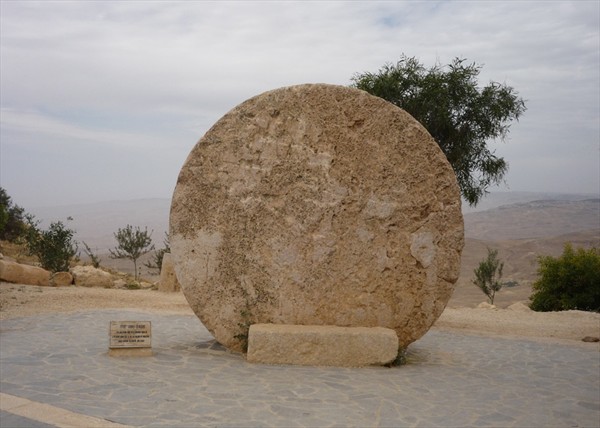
(54, 247)
(12, 218)
(571, 281)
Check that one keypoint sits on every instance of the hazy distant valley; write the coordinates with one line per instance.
(520, 225)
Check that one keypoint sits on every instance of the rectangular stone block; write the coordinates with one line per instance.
(315, 345)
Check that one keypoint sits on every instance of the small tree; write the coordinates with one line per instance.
(93, 256)
(54, 247)
(157, 259)
(571, 281)
(488, 274)
(132, 244)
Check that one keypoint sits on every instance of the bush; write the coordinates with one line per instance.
(54, 247)
(12, 219)
(571, 281)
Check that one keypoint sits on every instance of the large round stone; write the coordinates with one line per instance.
(316, 205)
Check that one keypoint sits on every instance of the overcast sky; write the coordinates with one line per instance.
(104, 100)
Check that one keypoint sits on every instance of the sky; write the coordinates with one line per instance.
(104, 100)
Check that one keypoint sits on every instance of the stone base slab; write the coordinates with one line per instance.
(130, 352)
(316, 345)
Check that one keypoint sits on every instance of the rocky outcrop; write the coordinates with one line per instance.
(311, 345)
(168, 280)
(316, 205)
(23, 274)
(89, 276)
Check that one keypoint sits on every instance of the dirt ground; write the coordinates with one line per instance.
(512, 318)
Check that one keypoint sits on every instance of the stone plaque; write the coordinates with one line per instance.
(316, 205)
(130, 334)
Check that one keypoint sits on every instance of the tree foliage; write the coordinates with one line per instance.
(132, 244)
(13, 223)
(571, 281)
(488, 275)
(460, 116)
(54, 247)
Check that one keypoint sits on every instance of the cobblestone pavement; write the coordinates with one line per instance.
(450, 379)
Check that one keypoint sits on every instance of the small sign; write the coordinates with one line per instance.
(130, 334)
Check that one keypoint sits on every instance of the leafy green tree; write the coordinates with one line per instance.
(488, 275)
(13, 223)
(571, 281)
(157, 259)
(459, 115)
(132, 244)
(54, 247)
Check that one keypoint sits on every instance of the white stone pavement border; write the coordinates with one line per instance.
(52, 415)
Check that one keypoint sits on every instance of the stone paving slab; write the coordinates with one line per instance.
(21, 412)
(10, 420)
(450, 380)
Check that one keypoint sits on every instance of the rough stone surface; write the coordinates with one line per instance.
(316, 205)
(23, 274)
(310, 345)
(61, 279)
(168, 280)
(89, 276)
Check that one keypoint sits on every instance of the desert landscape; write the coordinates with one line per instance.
(520, 231)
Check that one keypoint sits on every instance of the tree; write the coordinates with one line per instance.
(571, 281)
(92, 255)
(460, 116)
(157, 259)
(488, 274)
(12, 218)
(132, 244)
(54, 247)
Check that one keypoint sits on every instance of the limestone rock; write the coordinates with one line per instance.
(23, 274)
(60, 279)
(89, 276)
(168, 280)
(119, 283)
(316, 205)
(520, 307)
(321, 345)
(485, 305)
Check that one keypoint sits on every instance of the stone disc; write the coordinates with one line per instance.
(318, 205)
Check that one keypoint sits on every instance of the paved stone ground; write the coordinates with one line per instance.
(450, 380)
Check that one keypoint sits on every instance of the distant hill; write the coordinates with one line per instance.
(501, 215)
(96, 223)
(497, 199)
(532, 224)
(539, 218)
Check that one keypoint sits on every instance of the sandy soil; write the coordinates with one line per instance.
(516, 320)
